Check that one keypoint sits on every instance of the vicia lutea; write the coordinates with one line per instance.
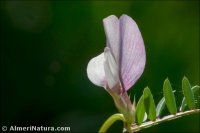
(121, 64)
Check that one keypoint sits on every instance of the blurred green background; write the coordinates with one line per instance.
(45, 48)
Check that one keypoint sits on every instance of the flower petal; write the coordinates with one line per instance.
(132, 52)
(95, 70)
(111, 27)
(111, 69)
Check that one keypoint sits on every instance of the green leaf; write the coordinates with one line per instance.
(189, 95)
(160, 107)
(140, 111)
(149, 104)
(169, 97)
(145, 117)
(134, 100)
(195, 90)
(183, 105)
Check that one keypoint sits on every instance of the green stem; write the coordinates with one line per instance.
(135, 127)
(110, 121)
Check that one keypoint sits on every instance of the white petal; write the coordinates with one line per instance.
(111, 69)
(95, 70)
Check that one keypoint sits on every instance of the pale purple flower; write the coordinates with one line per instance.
(124, 57)
(122, 62)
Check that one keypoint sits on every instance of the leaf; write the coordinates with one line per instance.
(145, 117)
(195, 90)
(169, 97)
(160, 107)
(140, 111)
(183, 105)
(134, 100)
(189, 95)
(149, 104)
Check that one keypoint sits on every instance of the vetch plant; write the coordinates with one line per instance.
(121, 63)
(119, 67)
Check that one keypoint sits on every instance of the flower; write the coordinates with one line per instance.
(122, 62)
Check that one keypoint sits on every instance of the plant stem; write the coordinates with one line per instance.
(110, 121)
(135, 127)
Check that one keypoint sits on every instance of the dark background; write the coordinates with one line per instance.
(45, 48)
